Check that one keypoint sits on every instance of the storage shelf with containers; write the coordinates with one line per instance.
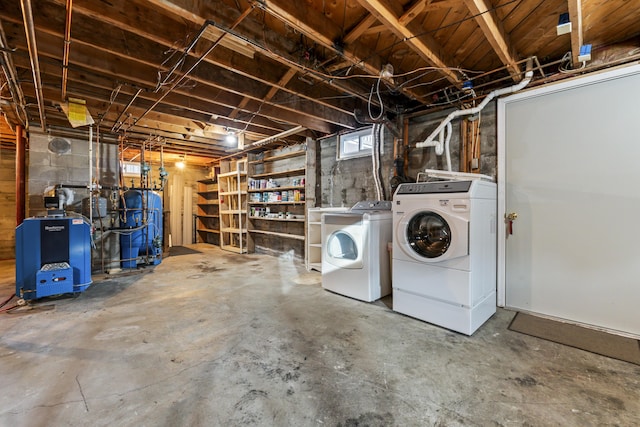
(277, 200)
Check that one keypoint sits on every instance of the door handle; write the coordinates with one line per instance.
(509, 218)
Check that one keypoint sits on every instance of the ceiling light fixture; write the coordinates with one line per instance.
(231, 137)
(180, 164)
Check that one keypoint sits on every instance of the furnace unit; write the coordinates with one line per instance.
(53, 256)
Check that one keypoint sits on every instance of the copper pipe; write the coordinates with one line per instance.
(21, 152)
(30, 30)
(67, 48)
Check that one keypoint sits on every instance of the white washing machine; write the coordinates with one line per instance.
(444, 252)
(355, 258)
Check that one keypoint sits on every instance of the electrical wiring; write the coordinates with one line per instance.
(566, 63)
(377, 86)
(6, 301)
(332, 77)
(4, 309)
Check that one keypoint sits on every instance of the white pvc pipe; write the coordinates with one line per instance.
(429, 142)
(446, 145)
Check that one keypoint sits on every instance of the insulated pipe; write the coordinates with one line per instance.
(30, 30)
(67, 48)
(429, 142)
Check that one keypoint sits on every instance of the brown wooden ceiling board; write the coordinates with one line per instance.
(309, 63)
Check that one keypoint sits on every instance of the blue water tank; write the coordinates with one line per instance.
(53, 256)
(141, 228)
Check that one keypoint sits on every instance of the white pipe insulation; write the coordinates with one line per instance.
(442, 145)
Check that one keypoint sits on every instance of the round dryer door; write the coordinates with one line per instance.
(342, 250)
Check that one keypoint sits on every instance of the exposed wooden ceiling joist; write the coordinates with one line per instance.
(286, 64)
(575, 17)
(495, 34)
(423, 44)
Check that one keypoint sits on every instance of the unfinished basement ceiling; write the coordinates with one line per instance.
(186, 73)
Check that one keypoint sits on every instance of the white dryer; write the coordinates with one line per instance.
(444, 252)
(355, 258)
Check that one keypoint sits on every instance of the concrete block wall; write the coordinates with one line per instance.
(344, 182)
(46, 169)
(422, 158)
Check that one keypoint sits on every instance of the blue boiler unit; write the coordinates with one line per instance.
(141, 228)
(53, 256)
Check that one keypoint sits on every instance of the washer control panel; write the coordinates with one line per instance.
(372, 205)
(434, 187)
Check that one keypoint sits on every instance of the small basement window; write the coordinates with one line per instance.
(355, 144)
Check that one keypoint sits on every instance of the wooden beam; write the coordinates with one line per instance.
(424, 45)
(494, 32)
(414, 10)
(575, 17)
(221, 86)
(195, 11)
(325, 32)
(164, 32)
(282, 82)
(359, 29)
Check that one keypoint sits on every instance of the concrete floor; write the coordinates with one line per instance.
(218, 339)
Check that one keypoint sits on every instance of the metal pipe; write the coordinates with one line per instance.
(90, 175)
(67, 48)
(21, 151)
(116, 124)
(198, 61)
(185, 53)
(30, 30)
(10, 73)
(283, 134)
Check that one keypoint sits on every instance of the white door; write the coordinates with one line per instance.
(569, 170)
(187, 215)
(176, 190)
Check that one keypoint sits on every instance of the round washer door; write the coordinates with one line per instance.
(431, 236)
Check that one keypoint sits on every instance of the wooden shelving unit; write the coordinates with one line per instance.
(313, 252)
(207, 212)
(232, 196)
(277, 200)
